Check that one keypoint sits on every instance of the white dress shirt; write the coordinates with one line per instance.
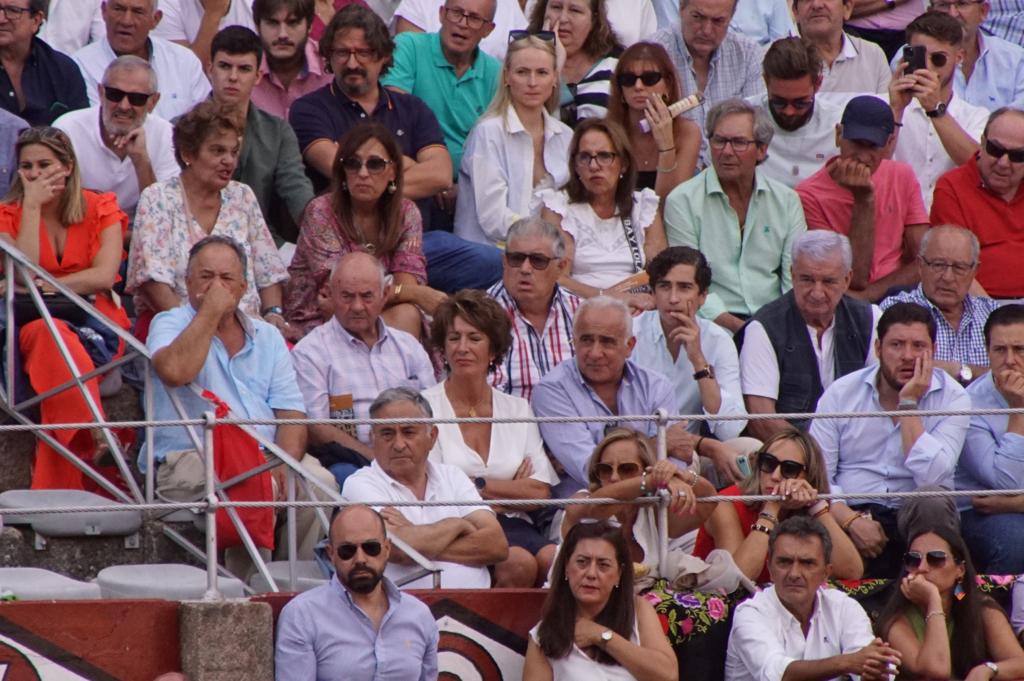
(72, 24)
(866, 454)
(182, 18)
(759, 365)
(508, 16)
(795, 155)
(496, 174)
(651, 351)
(766, 637)
(102, 170)
(179, 74)
(444, 483)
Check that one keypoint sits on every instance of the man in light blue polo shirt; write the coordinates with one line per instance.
(448, 71)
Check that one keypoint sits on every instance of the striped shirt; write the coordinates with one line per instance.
(533, 354)
(1006, 20)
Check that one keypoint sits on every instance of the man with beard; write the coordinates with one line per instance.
(900, 454)
(873, 201)
(358, 626)
(123, 147)
(291, 64)
(804, 126)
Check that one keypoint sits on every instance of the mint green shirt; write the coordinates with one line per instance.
(749, 266)
(421, 69)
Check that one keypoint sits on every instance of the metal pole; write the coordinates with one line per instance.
(293, 547)
(663, 501)
(212, 590)
(148, 446)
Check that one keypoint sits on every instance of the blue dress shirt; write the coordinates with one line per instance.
(992, 458)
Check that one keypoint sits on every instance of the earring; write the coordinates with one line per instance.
(392, 187)
(958, 590)
(344, 185)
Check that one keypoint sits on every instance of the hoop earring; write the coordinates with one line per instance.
(392, 187)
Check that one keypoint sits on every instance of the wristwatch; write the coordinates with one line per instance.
(938, 111)
(707, 372)
(480, 482)
(606, 637)
(273, 309)
(966, 375)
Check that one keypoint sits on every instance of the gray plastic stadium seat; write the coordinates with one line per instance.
(115, 523)
(36, 584)
(307, 576)
(171, 581)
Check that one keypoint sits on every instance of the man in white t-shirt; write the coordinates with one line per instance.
(122, 147)
(72, 24)
(193, 23)
(461, 540)
(129, 24)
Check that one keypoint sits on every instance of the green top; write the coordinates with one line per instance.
(917, 623)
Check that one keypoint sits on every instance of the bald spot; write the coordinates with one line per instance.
(352, 517)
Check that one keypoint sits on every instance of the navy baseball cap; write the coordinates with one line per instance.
(868, 119)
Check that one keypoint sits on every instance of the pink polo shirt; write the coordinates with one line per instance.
(271, 96)
(898, 203)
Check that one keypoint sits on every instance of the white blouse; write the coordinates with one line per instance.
(577, 665)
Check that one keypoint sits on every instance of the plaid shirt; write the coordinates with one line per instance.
(964, 345)
(533, 354)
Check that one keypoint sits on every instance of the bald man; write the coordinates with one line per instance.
(359, 626)
(343, 364)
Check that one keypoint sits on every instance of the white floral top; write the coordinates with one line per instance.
(163, 235)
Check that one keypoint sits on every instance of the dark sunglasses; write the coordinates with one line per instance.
(790, 469)
(938, 59)
(520, 34)
(779, 103)
(936, 559)
(374, 165)
(625, 470)
(648, 78)
(134, 98)
(370, 548)
(996, 151)
(537, 261)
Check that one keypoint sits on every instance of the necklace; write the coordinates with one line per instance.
(368, 245)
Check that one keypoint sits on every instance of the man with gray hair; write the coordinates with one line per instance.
(947, 263)
(741, 220)
(795, 347)
(461, 540)
(540, 310)
(129, 24)
(123, 147)
(603, 381)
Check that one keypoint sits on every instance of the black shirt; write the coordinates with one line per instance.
(51, 83)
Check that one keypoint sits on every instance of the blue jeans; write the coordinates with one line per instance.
(996, 541)
(454, 263)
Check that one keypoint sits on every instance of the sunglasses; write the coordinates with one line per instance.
(996, 151)
(767, 463)
(648, 78)
(625, 470)
(519, 34)
(936, 559)
(537, 261)
(134, 98)
(374, 165)
(779, 103)
(370, 548)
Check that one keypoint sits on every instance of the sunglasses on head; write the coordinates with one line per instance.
(374, 165)
(648, 78)
(370, 548)
(996, 151)
(936, 559)
(767, 463)
(519, 34)
(625, 470)
(134, 98)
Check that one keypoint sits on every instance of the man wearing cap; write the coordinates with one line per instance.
(873, 201)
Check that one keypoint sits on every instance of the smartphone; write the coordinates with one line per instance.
(743, 463)
(916, 58)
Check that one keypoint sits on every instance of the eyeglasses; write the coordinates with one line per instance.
(13, 12)
(648, 78)
(519, 34)
(455, 15)
(362, 55)
(370, 548)
(996, 151)
(940, 266)
(767, 463)
(116, 96)
(537, 261)
(936, 559)
(960, 5)
(603, 158)
(375, 165)
(802, 104)
(625, 470)
(739, 144)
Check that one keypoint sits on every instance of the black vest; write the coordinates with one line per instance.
(799, 380)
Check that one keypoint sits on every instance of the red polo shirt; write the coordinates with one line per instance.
(961, 199)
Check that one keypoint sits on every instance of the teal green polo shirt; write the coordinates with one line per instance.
(421, 69)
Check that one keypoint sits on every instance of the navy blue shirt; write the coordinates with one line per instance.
(51, 83)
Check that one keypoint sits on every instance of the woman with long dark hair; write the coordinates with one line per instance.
(593, 626)
(939, 620)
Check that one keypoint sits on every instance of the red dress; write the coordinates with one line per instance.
(41, 358)
(748, 516)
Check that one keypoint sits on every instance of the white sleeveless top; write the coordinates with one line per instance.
(576, 666)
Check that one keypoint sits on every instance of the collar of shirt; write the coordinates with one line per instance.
(247, 326)
(871, 379)
(441, 62)
(784, 612)
(311, 66)
(392, 592)
(628, 376)
(966, 318)
(514, 125)
(712, 185)
(383, 101)
(714, 55)
(557, 301)
(382, 333)
(429, 493)
(848, 50)
(979, 181)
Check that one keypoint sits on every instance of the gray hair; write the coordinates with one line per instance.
(378, 265)
(223, 241)
(129, 62)
(822, 244)
(944, 230)
(604, 303)
(763, 128)
(391, 395)
(537, 227)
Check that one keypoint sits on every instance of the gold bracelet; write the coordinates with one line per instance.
(849, 521)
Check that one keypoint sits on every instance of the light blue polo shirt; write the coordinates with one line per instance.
(420, 68)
